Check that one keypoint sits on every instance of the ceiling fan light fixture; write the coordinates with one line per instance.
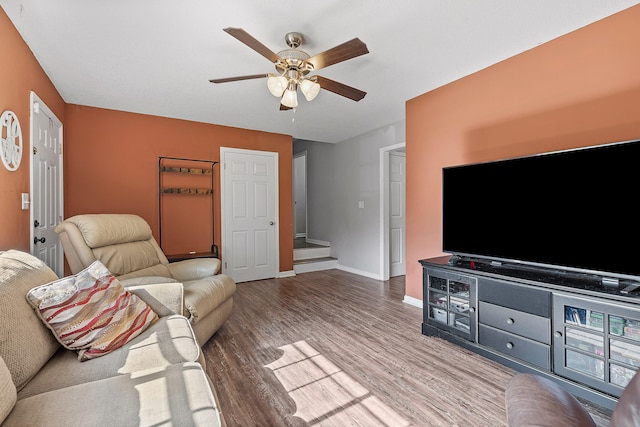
(290, 98)
(277, 85)
(310, 89)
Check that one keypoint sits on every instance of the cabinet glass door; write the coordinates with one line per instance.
(596, 343)
(451, 300)
(624, 348)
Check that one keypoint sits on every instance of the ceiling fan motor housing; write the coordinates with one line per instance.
(293, 59)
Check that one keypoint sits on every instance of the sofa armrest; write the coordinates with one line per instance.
(163, 298)
(532, 400)
(194, 269)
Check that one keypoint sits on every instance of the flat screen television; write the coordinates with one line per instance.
(574, 210)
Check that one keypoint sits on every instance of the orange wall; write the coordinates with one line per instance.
(578, 90)
(111, 166)
(20, 74)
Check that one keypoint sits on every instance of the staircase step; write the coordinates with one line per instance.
(314, 264)
(314, 252)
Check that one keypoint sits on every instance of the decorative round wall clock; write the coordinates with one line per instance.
(10, 140)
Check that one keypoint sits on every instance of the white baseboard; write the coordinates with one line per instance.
(289, 273)
(359, 272)
(412, 301)
(318, 242)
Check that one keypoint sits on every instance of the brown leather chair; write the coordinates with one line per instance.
(532, 400)
(125, 245)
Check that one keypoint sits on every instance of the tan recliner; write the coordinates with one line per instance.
(125, 245)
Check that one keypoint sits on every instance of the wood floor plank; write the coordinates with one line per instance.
(330, 348)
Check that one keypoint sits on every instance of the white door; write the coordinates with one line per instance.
(300, 195)
(46, 185)
(249, 194)
(397, 217)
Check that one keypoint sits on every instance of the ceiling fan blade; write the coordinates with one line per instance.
(235, 79)
(340, 88)
(347, 50)
(253, 43)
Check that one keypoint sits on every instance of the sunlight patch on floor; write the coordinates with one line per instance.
(324, 394)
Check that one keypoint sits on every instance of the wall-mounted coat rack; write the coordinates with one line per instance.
(178, 165)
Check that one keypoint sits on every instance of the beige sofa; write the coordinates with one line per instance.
(125, 245)
(155, 379)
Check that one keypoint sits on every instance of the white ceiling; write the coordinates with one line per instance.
(156, 56)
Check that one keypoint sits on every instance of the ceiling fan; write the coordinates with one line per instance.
(294, 65)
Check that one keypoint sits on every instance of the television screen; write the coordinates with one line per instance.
(573, 209)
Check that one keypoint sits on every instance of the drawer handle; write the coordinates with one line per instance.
(510, 321)
(558, 334)
(472, 309)
(509, 345)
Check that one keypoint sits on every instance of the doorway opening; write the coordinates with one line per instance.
(392, 211)
(300, 196)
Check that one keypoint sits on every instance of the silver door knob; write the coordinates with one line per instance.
(271, 223)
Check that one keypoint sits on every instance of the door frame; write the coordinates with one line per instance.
(384, 208)
(36, 103)
(274, 155)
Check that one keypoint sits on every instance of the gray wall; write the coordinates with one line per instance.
(338, 177)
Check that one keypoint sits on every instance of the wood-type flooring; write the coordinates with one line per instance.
(331, 348)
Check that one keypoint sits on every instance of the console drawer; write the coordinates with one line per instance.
(522, 298)
(525, 324)
(521, 348)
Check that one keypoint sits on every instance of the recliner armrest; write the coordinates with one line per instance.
(163, 298)
(532, 400)
(194, 269)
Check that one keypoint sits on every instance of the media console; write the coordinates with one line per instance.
(565, 326)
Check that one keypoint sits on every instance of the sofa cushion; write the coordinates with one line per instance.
(91, 312)
(25, 342)
(8, 394)
(164, 298)
(168, 341)
(154, 270)
(124, 258)
(176, 395)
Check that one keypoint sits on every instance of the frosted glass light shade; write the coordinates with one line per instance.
(277, 85)
(290, 98)
(309, 89)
